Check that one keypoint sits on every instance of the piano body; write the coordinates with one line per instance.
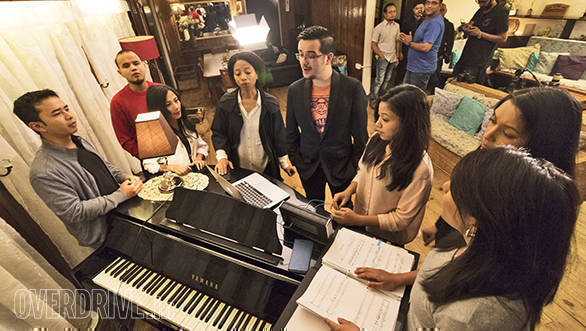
(181, 277)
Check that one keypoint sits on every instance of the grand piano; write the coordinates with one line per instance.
(181, 276)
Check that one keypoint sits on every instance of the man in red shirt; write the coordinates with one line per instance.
(130, 100)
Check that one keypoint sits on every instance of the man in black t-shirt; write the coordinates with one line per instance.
(488, 27)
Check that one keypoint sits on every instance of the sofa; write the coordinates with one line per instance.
(547, 56)
(444, 104)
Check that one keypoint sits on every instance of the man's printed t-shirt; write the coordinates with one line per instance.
(320, 100)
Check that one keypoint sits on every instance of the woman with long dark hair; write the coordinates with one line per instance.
(248, 129)
(191, 149)
(393, 182)
(545, 121)
(517, 215)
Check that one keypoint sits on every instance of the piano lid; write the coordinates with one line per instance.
(226, 217)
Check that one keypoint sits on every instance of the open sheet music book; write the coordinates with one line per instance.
(335, 291)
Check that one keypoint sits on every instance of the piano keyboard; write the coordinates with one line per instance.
(173, 301)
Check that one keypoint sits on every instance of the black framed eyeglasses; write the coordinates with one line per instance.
(310, 56)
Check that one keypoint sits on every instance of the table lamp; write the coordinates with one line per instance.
(154, 135)
(156, 139)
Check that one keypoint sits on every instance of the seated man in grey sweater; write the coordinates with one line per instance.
(68, 174)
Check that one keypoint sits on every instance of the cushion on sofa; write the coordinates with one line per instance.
(487, 114)
(468, 115)
(515, 58)
(456, 54)
(462, 91)
(571, 67)
(532, 62)
(455, 140)
(546, 62)
(444, 103)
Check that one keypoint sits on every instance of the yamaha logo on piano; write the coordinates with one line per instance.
(205, 282)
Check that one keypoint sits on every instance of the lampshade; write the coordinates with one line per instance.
(144, 46)
(155, 136)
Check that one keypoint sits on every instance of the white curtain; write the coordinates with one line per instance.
(67, 46)
(34, 294)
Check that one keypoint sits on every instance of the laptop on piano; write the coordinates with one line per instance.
(253, 189)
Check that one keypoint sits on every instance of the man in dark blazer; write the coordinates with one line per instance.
(326, 118)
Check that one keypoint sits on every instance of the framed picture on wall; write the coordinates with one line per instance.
(239, 7)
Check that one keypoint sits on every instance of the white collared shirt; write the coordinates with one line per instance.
(386, 34)
(250, 150)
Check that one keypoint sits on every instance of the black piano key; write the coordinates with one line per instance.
(138, 283)
(113, 264)
(132, 274)
(246, 321)
(209, 313)
(242, 317)
(184, 297)
(120, 265)
(137, 274)
(179, 295)
(199, 299)
(156, 284)
(118, 270)
(151, 283)
(162, 294)
(173, 290)
(205, 304)
(176, 293)
(256, 324)
(225, 317)
(262, 326)
(235, 319)
(127, 271)
(188, 305)
(217, 320)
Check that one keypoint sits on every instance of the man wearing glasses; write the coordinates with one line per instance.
(424, 45)
(488, 26)
(326, 118)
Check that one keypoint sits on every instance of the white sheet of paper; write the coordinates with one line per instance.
(332, 294)
(351, 250)
(303, 319)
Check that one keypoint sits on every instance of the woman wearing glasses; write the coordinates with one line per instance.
(248, 130)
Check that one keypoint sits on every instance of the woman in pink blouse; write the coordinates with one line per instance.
(394, 178)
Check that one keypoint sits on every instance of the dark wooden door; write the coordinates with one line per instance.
(346, 19)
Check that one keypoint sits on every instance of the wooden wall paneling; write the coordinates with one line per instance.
(346, 19)
(169, 27)
(298, 14)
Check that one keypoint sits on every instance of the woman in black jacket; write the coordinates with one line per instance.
(248, 130)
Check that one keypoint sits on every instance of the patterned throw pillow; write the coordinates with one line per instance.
(546, 62)
(515, 58)
(487, 114)
(468, 115)
(444, 103)
(462, 91)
